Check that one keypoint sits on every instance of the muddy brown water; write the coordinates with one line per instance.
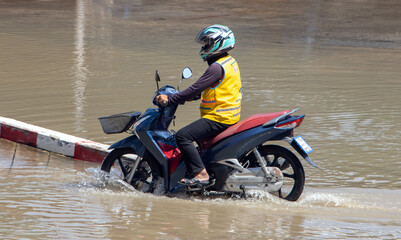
(63, 64)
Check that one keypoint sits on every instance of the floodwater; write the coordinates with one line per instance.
(63, 64)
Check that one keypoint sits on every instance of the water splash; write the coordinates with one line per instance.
(326, 200)
(96, 179)
(365, 201)
(312, 200)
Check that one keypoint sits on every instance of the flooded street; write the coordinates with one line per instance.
(51, 197)
(66, 63)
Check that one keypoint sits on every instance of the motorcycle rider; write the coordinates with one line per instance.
(220, 91)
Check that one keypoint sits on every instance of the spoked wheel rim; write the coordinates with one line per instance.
(288, 163)
(273, 159)
(120, 163)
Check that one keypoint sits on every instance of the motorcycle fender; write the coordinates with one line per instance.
(130, 142)
(299, 150)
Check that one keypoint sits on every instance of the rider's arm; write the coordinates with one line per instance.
(212, 75)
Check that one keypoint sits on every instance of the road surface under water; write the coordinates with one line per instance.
(64, 64)
(46, 196)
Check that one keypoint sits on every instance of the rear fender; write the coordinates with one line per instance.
(291, 141)
(130, 142)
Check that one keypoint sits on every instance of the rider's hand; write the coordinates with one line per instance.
(162, 100)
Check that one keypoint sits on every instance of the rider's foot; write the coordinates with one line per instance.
(193, 182)
(201, 177)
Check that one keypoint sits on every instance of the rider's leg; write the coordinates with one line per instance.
(198, 130)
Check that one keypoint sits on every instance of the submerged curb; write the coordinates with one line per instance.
(52, 141)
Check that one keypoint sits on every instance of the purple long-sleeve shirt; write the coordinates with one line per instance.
(212, 75)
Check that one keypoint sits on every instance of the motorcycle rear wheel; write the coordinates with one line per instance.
(288, 163)
(120, 162)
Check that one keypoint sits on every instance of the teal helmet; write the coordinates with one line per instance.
(216, 39)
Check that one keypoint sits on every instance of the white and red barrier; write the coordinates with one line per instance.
(52, 141)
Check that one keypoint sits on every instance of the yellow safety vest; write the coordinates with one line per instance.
(222, 101)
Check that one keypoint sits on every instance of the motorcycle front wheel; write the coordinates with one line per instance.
(287, 162)
(121, 163)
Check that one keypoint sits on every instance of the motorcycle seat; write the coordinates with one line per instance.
(251, 122)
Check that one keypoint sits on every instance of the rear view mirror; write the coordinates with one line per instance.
(186, 73)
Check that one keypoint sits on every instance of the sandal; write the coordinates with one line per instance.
(193, 182)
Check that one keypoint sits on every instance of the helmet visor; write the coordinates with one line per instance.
(201, 38)
(206, 38)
